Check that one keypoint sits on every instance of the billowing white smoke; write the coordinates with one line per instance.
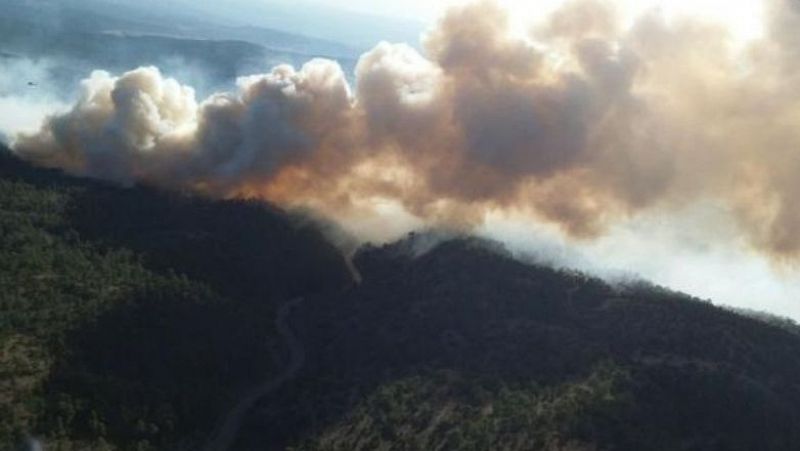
(581, 125)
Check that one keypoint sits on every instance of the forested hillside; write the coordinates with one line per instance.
(133, 319)
(464, 347)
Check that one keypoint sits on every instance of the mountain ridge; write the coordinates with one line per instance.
(133, 318)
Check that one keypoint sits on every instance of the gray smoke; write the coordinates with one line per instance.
(583, 124)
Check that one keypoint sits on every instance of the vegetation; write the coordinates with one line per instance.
(131, 319)
(464, 347)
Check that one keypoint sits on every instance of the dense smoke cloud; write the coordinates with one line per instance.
(581, 124)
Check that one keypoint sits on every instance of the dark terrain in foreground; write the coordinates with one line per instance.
(136, 319)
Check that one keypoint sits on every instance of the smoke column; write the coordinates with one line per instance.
(581, 124)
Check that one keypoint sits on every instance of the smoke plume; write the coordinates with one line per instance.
(582, 124)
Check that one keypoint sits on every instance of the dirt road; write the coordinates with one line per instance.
(228, 427)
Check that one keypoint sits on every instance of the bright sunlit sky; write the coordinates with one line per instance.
(743, 18)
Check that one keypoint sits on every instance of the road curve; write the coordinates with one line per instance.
(228, 427)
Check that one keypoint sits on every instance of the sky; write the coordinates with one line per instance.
(743, 17)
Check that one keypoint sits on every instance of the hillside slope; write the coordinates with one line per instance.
(464, 347)
(134, 319)
(131, 318)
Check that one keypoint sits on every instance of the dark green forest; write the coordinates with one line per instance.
(130, 318)
(133, 319)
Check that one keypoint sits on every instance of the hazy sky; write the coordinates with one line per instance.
(743, 17)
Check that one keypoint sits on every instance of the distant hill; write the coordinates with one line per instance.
(155, 18)
(73, 39)
(335, 30)
(134, 319)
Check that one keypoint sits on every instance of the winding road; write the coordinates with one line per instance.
(228, 428)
